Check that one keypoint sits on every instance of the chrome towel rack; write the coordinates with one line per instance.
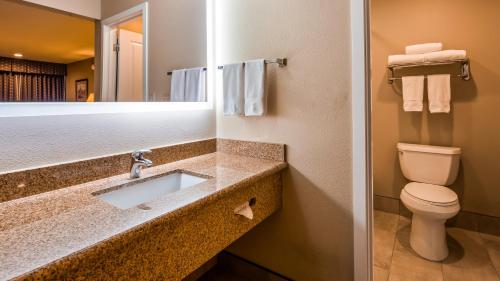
(464, 68)
(281, 62)
(170, 72)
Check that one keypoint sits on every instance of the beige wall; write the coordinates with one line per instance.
(170, 46)
(76, 71)
(311, 238)
(473, 123)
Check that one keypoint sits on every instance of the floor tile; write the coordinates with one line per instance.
(380, 274)
(473, 255)
(384, 234)
(383, 248)
(385, 221)
(406, 264)
(468, 259)
(492, 245)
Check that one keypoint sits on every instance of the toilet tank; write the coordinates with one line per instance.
(429, 164)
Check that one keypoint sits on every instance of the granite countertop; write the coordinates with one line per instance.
(38, 230)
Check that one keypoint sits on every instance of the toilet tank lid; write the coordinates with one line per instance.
(429, 148)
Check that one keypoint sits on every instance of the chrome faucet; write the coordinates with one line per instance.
(138, 162)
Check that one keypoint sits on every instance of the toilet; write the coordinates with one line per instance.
(431, 169)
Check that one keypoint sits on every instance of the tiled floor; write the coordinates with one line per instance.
(473, 256)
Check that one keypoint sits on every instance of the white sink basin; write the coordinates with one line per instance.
(149, 190)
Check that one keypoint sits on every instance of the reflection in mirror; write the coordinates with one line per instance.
(45, 55)
(55, 56)
(125, 60)
(174, 37)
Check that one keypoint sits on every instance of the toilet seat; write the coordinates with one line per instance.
(435, 195)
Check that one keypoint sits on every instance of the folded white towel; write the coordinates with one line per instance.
(255, 94)
(195, 85)
(406, 59)
(439, 91)
(413, 93)
(178, 85)
(233, 89)
(427, 57)
(445, 55)
(423, 48)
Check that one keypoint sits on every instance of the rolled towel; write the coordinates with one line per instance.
(439, 91)
(406, 59)
(445, 55)
(413, 93)
(423, 48)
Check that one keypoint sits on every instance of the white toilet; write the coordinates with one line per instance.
(431, 169)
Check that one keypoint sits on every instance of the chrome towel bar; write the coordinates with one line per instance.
(282, 62)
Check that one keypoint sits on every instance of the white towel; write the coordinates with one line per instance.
(178, 85)
(423, 48)
(233, 89)
(406, 59)
(195, 85)
(439, 91)
(413, 93)
(445, 55)
(255, 94)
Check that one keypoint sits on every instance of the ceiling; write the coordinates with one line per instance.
(44, 34)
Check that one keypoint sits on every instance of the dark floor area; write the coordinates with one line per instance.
(232, 268)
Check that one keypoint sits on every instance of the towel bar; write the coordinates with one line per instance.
(464, 73)
(170, 72)
(282, 62)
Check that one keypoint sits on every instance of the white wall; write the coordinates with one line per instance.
(87, 8)
(35, 141)
(311, 238)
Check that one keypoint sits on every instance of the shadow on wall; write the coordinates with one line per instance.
(298, 222)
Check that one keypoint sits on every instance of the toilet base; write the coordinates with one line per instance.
(428, 237)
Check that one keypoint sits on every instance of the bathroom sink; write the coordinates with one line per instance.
(149, 189)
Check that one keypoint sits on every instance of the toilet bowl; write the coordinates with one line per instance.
(429, 168)
(431, 206)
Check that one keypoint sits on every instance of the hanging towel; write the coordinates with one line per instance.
(439, 92)
(413, 93)
(423, 48)
(233, 89)
(178, 85)
(406, 59)
(445, 55)
(255, 94)
(195, 85)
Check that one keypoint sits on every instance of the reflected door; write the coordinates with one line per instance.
(130, 56)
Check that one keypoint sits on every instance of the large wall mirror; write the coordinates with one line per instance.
(138, 54)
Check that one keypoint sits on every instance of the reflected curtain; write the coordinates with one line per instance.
(30, 81)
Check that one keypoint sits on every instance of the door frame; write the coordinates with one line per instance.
(362, 187)
(106, 27)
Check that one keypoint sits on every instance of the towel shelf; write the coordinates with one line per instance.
(464, 71)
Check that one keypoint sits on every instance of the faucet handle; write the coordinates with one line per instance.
(139, 154)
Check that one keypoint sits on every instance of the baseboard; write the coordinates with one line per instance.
(464, 219)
